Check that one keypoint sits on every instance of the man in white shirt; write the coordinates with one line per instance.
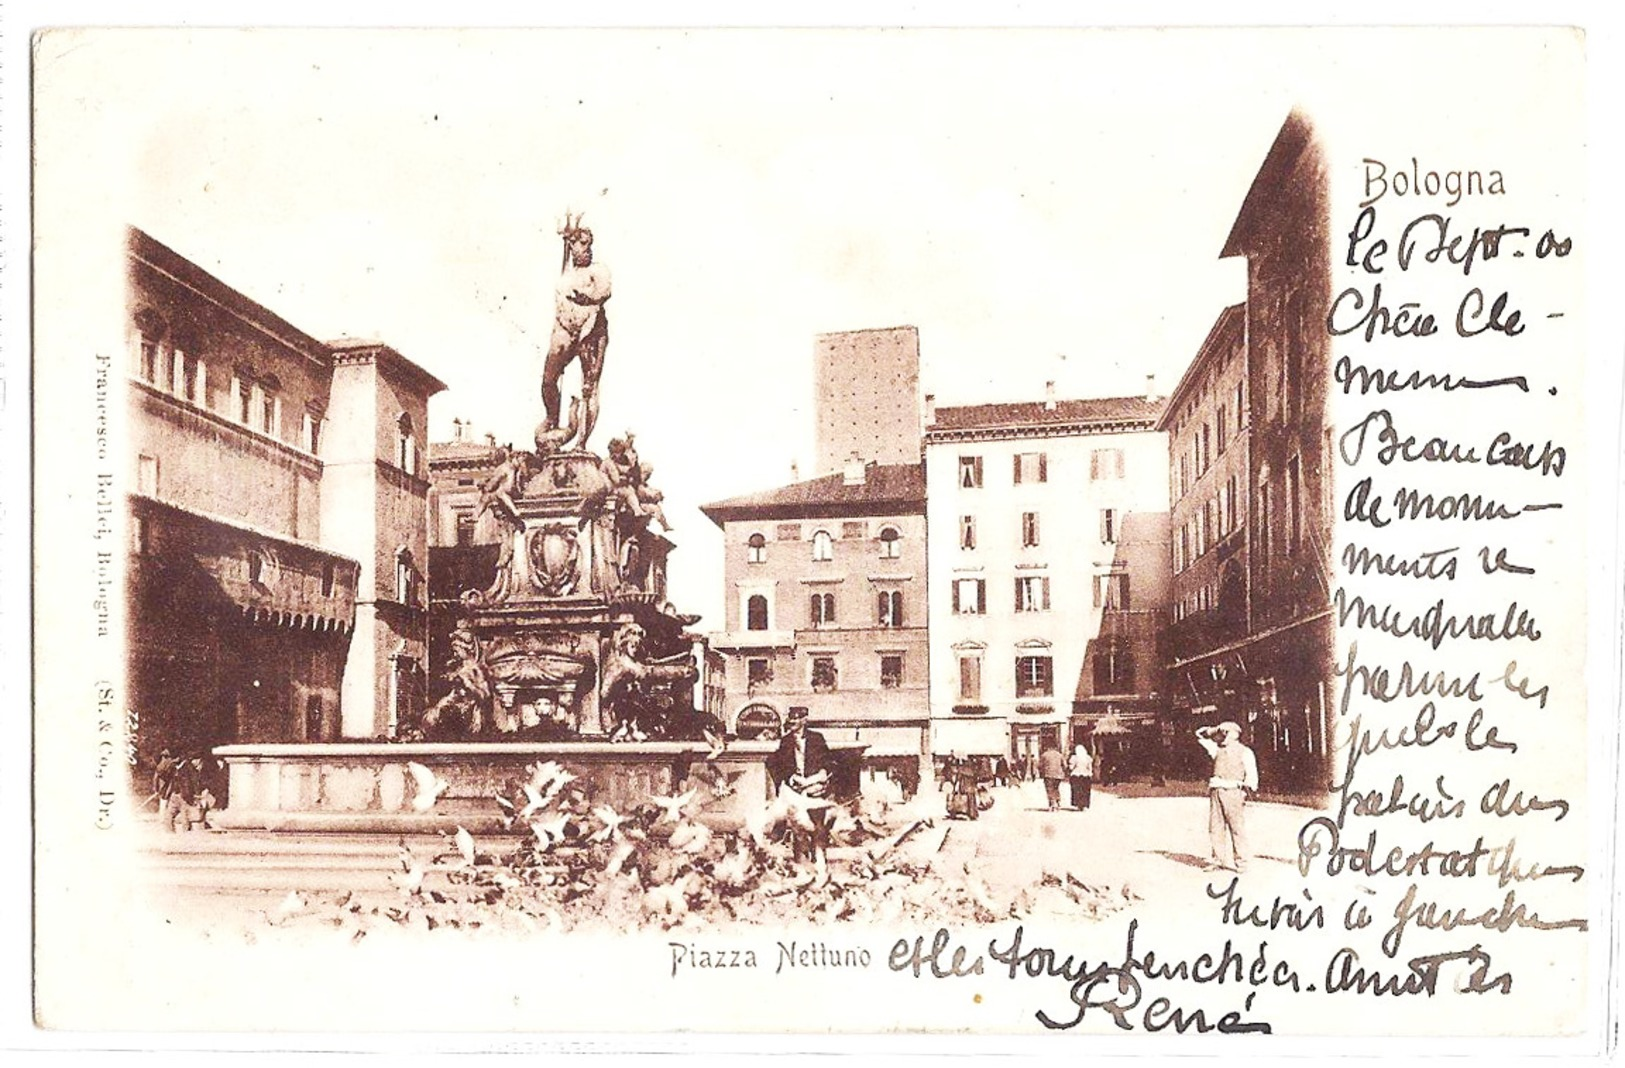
(1235, 774)
(1081, 768)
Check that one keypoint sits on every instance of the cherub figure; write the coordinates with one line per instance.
(497, 495)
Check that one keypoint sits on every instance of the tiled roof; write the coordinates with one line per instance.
(1231, 319)
(888, 489)
(455, 451)
(143, 246)
(1037, 413)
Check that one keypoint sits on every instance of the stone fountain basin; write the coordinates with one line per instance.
(365, 787)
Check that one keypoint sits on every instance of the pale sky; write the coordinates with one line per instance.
(1041, 205)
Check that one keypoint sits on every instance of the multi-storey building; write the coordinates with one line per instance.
(826, 610)
(867, 400)
(463, 538)
(1252, 482)
(278, 519)
(1209, 482)
(1047, 533)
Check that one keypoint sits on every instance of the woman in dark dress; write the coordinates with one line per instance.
(963, 780)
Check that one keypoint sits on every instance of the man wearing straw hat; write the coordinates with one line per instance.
(1235, 774)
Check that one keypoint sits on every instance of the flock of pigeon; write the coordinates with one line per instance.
(568, 861)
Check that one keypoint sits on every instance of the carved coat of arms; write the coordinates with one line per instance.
(555, 559)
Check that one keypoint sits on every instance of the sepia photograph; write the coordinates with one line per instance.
(1070, 530)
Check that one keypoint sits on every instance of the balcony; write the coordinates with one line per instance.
(739, 640)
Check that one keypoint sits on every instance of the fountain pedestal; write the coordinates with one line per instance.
(366, 787)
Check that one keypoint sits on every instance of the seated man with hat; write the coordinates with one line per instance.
(801, 769)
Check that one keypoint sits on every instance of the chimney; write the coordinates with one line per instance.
(457, 429)
(930, 412)
(1150, 388)
(856, 472)
(1049, 395)
(490, 439)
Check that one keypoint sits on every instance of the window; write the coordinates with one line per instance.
(146, 357)
(1210, 514)
(970, 597)
(1105, 464)
(1206, 454)
(1222, 434)
(970, 472)
(1108, 526)
(1113, 666)
(406, 445)
(823, 674)
(1111, 591)
(270, 410)
(327, 579)
(756, 549)
(1241, 405)
(821, 609)
(1233, 491)
(187, 377)
(853, 530)
(140, 541)
(313, 717)
(787, 532)
(256, 568)
(891, 671)
(1184, 474)
(891, 543)
(823, 546)
(1264, 510)
(756, 612)
(1032, 593)
(1029, 530)
(1031, 467)
(758, 672)
(310, 432)
(970, 678)
(147, 475)
(406, 578)
(464, 518)
(1294, 530)
(1034, 677)
(241, 398)
(967, 532)
(890, 610)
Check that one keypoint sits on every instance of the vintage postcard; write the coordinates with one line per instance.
(844, 532)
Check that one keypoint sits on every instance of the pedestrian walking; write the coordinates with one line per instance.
(1081, 769)
(1235, 775)
(1052, 767)
(964, 782)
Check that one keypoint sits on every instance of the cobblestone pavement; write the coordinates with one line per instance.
(1158, 846)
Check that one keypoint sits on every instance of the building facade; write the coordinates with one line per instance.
(1252, 638)
(867, 400)
(826, 610)
(1047, 531)
(277, 522)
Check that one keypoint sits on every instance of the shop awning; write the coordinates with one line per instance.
(970, 737)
